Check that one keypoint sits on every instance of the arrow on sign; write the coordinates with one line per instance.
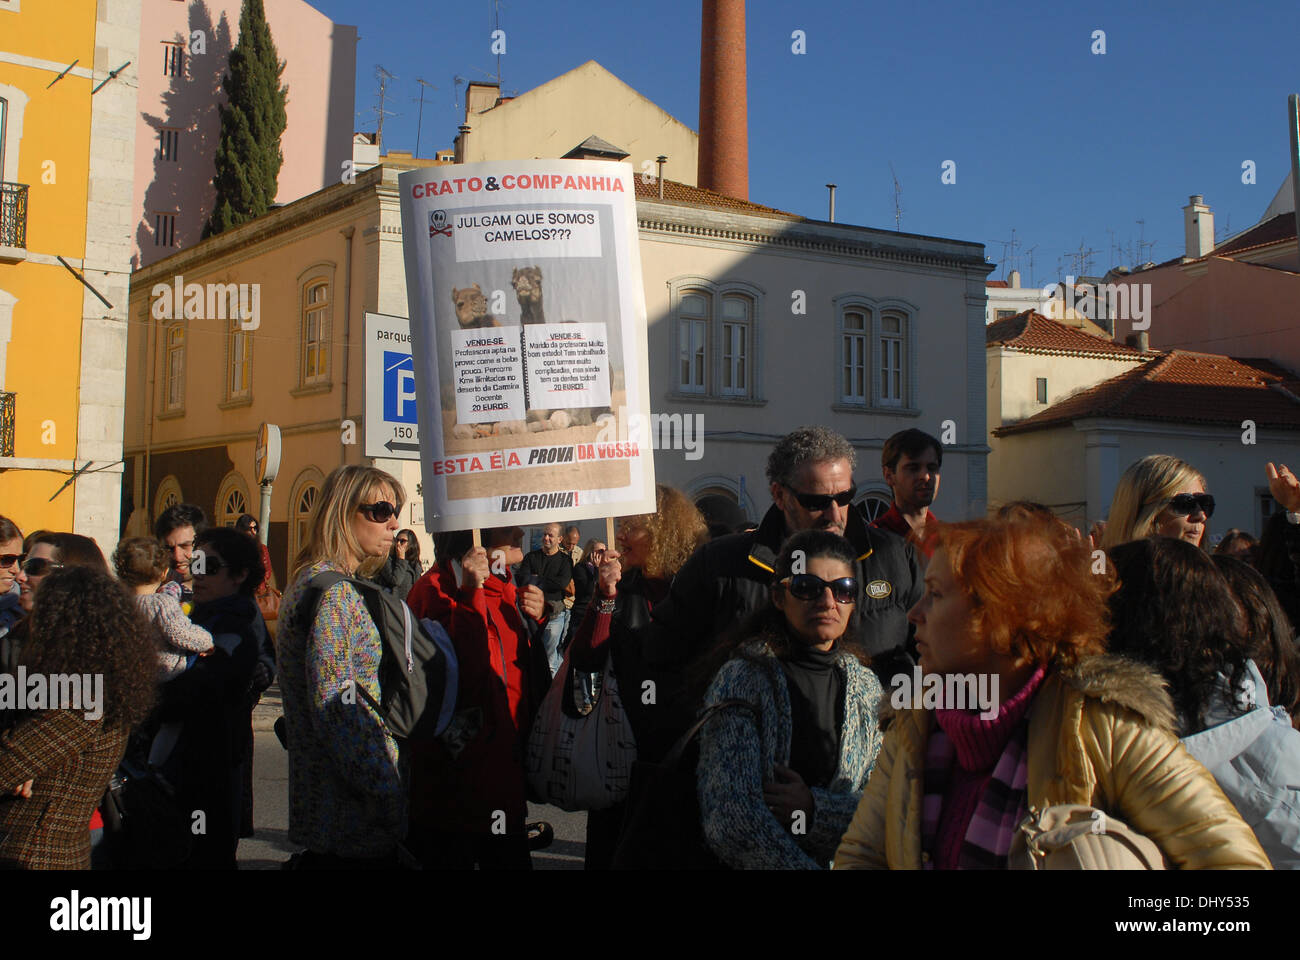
(390, 446)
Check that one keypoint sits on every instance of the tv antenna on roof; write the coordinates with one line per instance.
(420, 122)
(898, 199)
(383, 76)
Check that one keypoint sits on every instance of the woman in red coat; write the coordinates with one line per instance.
(468, 802)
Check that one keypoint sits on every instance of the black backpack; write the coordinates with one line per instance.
(418, 670)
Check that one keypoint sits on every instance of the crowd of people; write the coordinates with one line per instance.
(1134, 677)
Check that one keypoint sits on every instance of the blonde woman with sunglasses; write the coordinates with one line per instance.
(1159, 496)
(347, 790)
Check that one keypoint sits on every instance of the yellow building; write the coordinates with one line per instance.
(67, 121)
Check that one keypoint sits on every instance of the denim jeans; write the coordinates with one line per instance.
(555, 629)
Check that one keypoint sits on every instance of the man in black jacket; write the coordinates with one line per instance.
(811, 481)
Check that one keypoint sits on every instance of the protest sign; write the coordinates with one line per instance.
(528, 336)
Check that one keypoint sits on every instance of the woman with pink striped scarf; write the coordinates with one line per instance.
(1014, 608)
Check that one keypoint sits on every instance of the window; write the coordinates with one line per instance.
(164, 229)
(874, 504)
(168, 143)
(892, 387)
(1042, 389)
(232, 499)
(168, 495)
(853, 384)
(735, 346)
(315, 334)
(173, 59)
(239, 381)
(693, 332)
(1003, 314)
(1265, 507)
(875, 361)
(715, 339)
(301, 504)
(174, 366)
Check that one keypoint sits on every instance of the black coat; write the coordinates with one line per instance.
(728, 579)
(211, 701)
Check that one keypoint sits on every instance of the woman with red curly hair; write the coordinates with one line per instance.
(1015, 601)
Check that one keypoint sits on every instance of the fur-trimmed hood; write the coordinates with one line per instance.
(1111, 679)
(1126, 683)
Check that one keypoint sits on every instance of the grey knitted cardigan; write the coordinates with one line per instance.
(737, 757)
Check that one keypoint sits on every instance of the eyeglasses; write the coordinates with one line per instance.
(1186, 504)
(822, 501)
(805, 586)
(379, 512)
(9, 559)
(39, 566)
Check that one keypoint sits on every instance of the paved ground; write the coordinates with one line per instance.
(269, 846)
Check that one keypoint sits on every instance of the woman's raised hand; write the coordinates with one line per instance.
(475, 565)
(609, 574)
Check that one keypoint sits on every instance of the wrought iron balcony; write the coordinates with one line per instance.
(7, 424)
(13, 215)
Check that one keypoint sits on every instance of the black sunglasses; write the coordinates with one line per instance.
(805, 586)
(9, 559)
(39, 566)
(1186, 504)
(379, 512)
(822, 501)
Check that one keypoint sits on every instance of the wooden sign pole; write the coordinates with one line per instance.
(609, 533)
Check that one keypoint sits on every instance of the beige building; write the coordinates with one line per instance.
(551, 119)
(1226, 416)
(1033, 363)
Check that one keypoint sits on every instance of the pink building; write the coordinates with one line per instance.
(1240, 298)
(184, 48)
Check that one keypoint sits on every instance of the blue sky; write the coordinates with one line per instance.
(1064, 146)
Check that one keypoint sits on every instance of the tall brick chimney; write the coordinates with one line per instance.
(724, 115)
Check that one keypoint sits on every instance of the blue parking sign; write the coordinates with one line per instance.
(399, 387)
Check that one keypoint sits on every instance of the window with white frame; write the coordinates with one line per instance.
(239, 378)
(892, 352)
(737, 327)
(715, 338)
(174, 366)
(169, 139)
(315, 333)
(855, 322)
(693, 315)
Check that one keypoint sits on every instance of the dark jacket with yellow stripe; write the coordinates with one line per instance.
(727, 579)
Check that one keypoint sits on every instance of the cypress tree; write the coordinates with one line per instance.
(248, 156)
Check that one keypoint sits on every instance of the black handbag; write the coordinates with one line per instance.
(662, 828)
(145, 825)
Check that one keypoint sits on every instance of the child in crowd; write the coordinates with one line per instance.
(141, 564)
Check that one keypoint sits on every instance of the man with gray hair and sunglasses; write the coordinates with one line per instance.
(810, 473)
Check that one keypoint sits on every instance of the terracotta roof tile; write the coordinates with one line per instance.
(996, 283)
(1277, 230)
(1183, 387)
(681, 193)
(1035, 333)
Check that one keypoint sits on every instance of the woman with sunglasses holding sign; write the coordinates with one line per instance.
(1159, 496)
(778, 790)
(347, 790)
